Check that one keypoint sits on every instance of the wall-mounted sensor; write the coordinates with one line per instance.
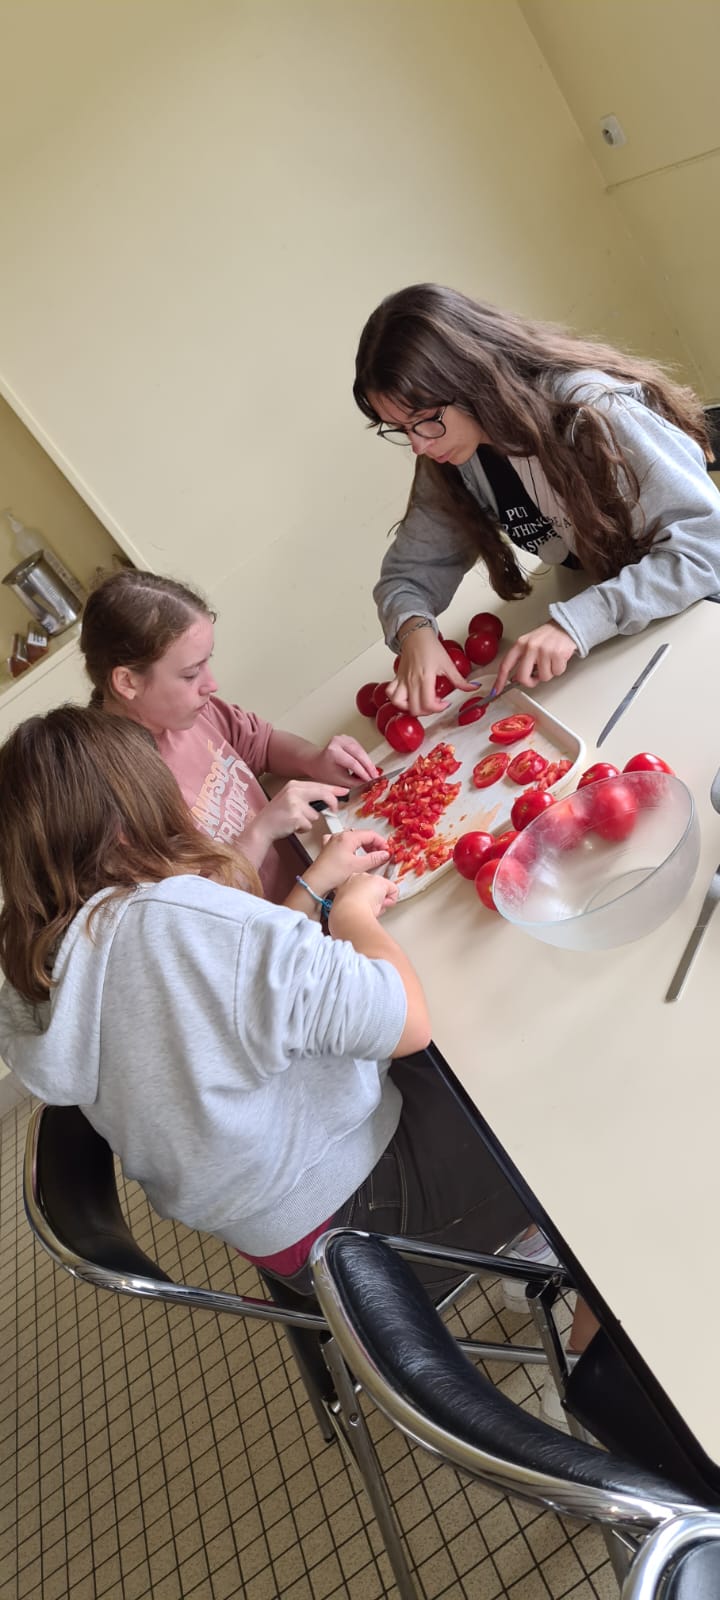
(612, 132)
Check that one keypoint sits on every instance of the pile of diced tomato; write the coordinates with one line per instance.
(413, 806)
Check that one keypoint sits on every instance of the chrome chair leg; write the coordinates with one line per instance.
(359, 1441)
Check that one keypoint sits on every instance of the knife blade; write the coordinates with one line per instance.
(698, 934)
(357, 789)
(634, 689)
(489, 699)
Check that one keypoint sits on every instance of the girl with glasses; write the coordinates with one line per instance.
(528, 439)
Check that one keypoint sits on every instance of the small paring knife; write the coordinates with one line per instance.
(357, 789)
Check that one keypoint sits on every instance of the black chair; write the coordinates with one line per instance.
(72, 1205)
(404, 1358)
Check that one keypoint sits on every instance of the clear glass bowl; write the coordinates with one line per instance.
(605, 866)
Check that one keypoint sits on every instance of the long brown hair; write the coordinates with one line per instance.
(428, 346)
(87, 803)
(130, 619)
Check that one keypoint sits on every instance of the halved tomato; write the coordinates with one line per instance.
(472, 711)
(509, 729)
(492, 767)
(527, 766)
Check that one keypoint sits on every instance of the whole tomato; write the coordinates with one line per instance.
(384, 715)
(614, 811)
(364, 700)
(380, 696)
(530, 805)
(646, 762)
(404, 732)
(484, 882)
(482, 647)
(501, 844)
(485, 622)
(601, 769)
(470, 851)
(565, 828)
(443, 686)
(458, 657)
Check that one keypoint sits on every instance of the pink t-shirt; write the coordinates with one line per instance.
(215, 763)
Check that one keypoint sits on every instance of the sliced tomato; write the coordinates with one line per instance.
(555, 771)
(646, 762)
(601, 769)
(509, 729)
(491, 769)
(527, 766)
(529, 805)
(472, 711)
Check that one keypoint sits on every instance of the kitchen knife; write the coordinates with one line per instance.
(630, 696)
(357, 789)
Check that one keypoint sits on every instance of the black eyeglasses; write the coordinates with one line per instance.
(428, 428)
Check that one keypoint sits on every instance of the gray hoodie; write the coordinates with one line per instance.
(226, 1051)
(429, 554)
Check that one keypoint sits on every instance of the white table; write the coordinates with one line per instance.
(606, 1098)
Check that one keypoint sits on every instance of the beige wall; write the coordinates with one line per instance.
(202, 200)
(653, 64)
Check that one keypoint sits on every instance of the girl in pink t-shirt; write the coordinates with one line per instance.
(147, 643)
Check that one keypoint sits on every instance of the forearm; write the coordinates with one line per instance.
(288, 755)
(370, 939)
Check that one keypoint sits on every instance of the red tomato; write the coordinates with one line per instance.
(470, 851)
(458, 657)
(529, 805)
(564, 829)
(380, 697)
(509, 729)
(404, 732)
(646, 762)
(396, 664)
(514, 873)
(492, 767)
(501, 844)
(527, 766)
(472, 711)
(601, 769)
(384, 714)
(484, 883)
(364, 700)
(482, 647)
(485, 622)
(614, 811)
(554, 773)
(443, 686)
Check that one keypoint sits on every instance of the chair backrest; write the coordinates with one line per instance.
(71, 1196)
(411, 1366)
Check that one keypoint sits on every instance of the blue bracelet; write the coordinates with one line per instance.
(325, 905)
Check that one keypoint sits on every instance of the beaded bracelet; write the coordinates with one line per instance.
(323, 902)
(423, 622)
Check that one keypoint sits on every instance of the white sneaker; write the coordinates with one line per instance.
(534, 1248)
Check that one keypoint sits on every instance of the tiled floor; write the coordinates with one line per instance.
(147, 1454)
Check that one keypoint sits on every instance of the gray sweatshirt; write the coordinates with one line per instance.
(429, 554)
(226, 1050)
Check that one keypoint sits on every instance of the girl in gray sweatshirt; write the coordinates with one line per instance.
(530, 440)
